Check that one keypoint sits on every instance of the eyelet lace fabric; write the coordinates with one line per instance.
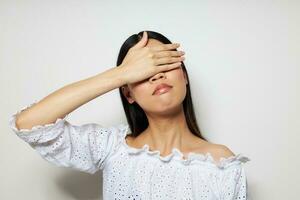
(135, 173)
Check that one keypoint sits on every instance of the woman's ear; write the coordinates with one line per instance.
(127, 94)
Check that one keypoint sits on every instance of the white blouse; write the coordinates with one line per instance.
(135, 173)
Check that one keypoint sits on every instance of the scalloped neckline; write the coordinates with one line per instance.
(174, 150)
(177, 154)
(147, 147)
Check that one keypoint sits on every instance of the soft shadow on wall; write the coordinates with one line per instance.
(80, 185)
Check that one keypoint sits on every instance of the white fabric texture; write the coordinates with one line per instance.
(135, 173)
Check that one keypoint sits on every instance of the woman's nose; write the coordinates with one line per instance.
(157, 76)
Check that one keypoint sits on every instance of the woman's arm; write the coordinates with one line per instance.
(139, 63)
(68, 98)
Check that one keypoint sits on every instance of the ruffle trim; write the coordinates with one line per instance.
(12, 122)
(176, 154)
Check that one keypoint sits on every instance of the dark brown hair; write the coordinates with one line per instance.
(136, 117)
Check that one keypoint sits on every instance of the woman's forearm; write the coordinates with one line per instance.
(68, 98)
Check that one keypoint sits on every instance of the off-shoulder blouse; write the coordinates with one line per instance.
(135, 173)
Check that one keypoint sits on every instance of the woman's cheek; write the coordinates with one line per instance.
(141, 92)
(178, 73)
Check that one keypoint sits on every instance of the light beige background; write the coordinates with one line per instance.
(243, 62)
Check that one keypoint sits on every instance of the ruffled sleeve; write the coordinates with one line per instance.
(85, 148)
(232, 182)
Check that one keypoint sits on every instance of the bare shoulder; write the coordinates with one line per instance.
(221, 150)
(217, 151)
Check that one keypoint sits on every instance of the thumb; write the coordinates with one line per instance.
(142, 42)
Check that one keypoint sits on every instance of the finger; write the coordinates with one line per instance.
(161, 54)
(168, 60)
(164, 47)
(142, 42)
(168, 67)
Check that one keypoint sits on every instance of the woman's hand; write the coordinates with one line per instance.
(142, 62)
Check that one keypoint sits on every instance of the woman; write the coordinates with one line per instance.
(165, 156)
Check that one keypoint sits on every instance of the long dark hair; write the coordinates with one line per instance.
(136, 117)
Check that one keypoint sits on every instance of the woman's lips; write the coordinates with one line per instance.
(162, 90)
